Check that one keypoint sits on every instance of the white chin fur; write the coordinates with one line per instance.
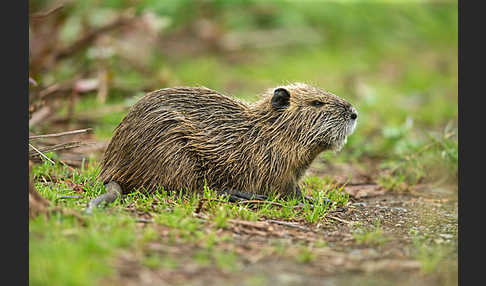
(336, 147)
(351, 127)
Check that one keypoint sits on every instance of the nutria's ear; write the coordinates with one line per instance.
(281, 98)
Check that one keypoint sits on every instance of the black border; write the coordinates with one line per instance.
(15, 121)
(471, 145)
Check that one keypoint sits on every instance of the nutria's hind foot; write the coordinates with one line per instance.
(113, 191)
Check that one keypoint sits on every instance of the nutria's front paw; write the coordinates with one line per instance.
(236, 196)
(312, 202)
(299, 196)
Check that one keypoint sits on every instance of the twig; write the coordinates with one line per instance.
(61, 88)
(300, 206)
(68, 197)
(40, 153)
(339, 219)
(91, 36)
(46, 13)
(215, 200)
(61, 134)
(32, 81)
(61, 146)
(259, 202)
(288, 224)
(33, 155)
(259, 225)
(44, 179)
(40, 115)
(103, 86)
(49, 90)
(144, 220)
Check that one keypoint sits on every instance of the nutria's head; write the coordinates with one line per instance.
(316, 119)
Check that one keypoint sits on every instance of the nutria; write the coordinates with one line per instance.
(187, 137)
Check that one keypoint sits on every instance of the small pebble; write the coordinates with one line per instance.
(360, 204)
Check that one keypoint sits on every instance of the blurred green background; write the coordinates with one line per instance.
(395, 61)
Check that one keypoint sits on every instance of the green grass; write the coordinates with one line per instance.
(91, 249)
(63, 252)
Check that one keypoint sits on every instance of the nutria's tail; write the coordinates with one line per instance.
(113, 191)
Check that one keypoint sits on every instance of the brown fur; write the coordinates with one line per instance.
(183, 138)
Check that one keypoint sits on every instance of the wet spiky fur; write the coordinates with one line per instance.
(183, 138)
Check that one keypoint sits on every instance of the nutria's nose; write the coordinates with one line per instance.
(354, 115)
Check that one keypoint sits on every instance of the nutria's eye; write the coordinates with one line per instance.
(317, 103)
